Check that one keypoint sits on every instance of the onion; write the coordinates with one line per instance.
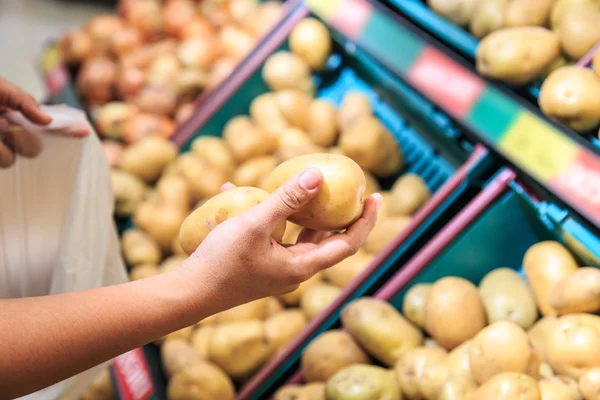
(164, 70)
(130, 81)
(143, 56)
(215, 11)
(160, 100)
(184, 112)
(110, 119)
(75, 46)
(177, 14)
(101, 29)
(143, 125)
(191, 82)
(113, 151)
(197, 27)
(200, 53)
(97, 79)
(241, 9)
(222, 68)
(263, 18)
(236, 42)
(146, 16)
(124, 41)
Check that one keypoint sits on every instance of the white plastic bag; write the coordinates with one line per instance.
(56, 229)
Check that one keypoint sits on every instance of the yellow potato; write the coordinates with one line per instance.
(506, 296)
(253, 171)
(538, 334)
(294, 105)
(310, 391)
(457, 364)
(355, 107)
(372, 184)
(317, 298)
(177, 354)
(570, 96)
(293, 137)
(380, 329)
(527, 12)
(283, 327)
(348, 269)
(573, 346)
(160, 222)
(336, 150)
(203, 180)
(257, 309)
(239, 348)
(457, 388)
(218, 209)
(363, 382)
(215, 152)
(413, 305)
(285, 70)
(488, 16)
(176, 249)
(517, 55)
(147, 157)
(173, 191)
(457, 11)
(329, 353)
(545, 264)
(292, 232)
(409, 193)
(509, 386)
(246, 140)
(502, 347)
(454, 312)
(265, 111)
(432, 344)
(411, 366)
(311, 42)
(578, 292)
(129, 191)
(589, 384)
(143, 271)
(340, 200)
(200, 340)
(386, 229)
(545, 370)
(101, 389)
(559, 388)
(321, 122)
(274, 306)
(579, 30)
(561, 7)
(171, 263)
(372, 146)
(287, 153)
(183, 334)
(293, 298)
(201, 381)
(139, 248)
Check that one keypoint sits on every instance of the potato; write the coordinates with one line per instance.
(283, 327)
(177, 354)
(328, 353)
(488, 16)
(413, 305)
(348, 269)
(570, 96)
(596, 63)
(507, 297)
(200, 340)
(239, 348)
(173, 191)
(454, 312)
(143, 271)
(341, 198)
(139, 248)
(200, 381)
(101, 388)
(559, 388)
(578, 292)
(409, 193)
(457, 364)
(431, 344)
(502, 347)
(215, 152)
(171, 263)
(385, 231)
(203, 180)
(517, 55)
(160, 222)
(246, 140)
(561, 7)
(293, 298)
(372, 184)
(538, 335)
(265, 112)
(372, 146)
(573, 346)
(457, 11)
(310, 391)
(176, 249)
(257, 309)
(509, 386)
(579, 30)
(292, 232)
(527, 12)
(147, 158)
(355, 106)
(321, 122)
(311, 42)
(457, 388)
(459, 361)
(295, 106)
(589, 384)
(363, 382)
(287, 153)
(183, 334)
(317, 298)
(411, 366)
(545, 264)
(545, 370)
(380, 329)
(218, 209)
(293, 137)
(252, 172)
(274, 306)
(285, 70)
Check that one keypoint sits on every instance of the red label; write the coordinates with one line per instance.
(351, 17)
(451, 86)
(57, 78)
(580, 185)
(133, 377)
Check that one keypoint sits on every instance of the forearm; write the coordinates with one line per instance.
(47, 339)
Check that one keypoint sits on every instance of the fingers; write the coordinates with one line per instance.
(24, 142)
(312, 236)
(16, 99)
(335, 248)
(288, 198)
(7, 155)
(226, 186)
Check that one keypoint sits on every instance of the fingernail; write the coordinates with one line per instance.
(379, 199)
(310, 179)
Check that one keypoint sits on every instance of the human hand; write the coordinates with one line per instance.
(239, 261)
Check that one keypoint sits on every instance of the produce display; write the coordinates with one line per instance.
(525, 41)
(458, 341)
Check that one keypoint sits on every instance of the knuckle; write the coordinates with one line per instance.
(291, 197)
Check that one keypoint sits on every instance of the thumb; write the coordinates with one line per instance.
(289, 198)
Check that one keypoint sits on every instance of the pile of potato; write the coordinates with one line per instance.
(525, 40)
(140, 71)
(457, 341)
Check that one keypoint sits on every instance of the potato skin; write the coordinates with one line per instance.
(285, 70)
(317, 298)
(457, 11)
(341, 198)
(454, 312)
(457, 388)
(282, 327)
(488, 17)
(295, 107)
(380, 329)
(129, 191)
(538, 334)
(545, 264)
(527, 12)
(506, 296)
(253, 171)
(310, 41)
(201, 381)
(218, 209)
(265, 112)
(363, 382)
(139, 248)
(559, 388)
(589, 384)
(577, 293)
(293, 298)
(215, 152)
(309, 391)
(176, 354)
(348, 269)
(509, 386)
(413, 306)
(409, 193)
(147, 158)
(246, 140)
(321, 123)
(385, 231)
(579, 30)
(410, 368)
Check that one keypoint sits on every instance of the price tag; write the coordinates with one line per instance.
(133, 377)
